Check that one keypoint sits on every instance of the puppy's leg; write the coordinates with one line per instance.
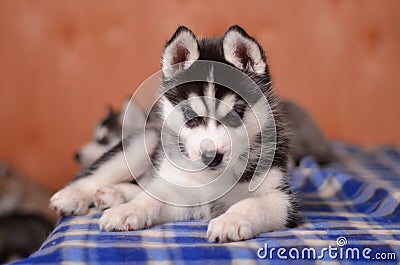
(76, 197)
(109, 196)
(267, 210)
(111, 168)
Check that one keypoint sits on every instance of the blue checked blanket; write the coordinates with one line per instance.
(350, 214)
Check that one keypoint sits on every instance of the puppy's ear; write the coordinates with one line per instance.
(112, 114)
(243, 51)
(181, 50)
(111, 111)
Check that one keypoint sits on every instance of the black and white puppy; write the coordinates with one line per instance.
(108, 132)
(221, 132)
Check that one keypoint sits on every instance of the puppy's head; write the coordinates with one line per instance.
(108, 132)
(211, 91)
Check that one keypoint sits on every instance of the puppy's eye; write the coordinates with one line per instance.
(102, 141)
(189, 114)
(232, 119)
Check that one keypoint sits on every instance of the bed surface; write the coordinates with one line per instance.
(349, 206)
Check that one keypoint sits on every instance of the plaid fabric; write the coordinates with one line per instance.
(348, 208)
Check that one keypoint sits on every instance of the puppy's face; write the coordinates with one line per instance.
(106, 135)
(209, 109)
(108, 132)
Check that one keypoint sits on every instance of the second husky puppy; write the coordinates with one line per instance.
(108, 133)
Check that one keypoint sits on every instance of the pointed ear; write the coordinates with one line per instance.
(181, 50)
(132, 115)
(111, 111)
(243, 51)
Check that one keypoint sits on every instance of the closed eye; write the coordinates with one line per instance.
(189, 114)
(102, 141)
(232, 119)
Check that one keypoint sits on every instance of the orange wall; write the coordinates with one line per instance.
(62, 62)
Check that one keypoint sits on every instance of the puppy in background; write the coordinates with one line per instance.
(108, 132)
(307, 139)
(19, 194)
(25, 219)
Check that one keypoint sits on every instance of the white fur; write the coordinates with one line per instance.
(70, 201)
(210, 94)
(109, 196)
(226, 105)
(100, 132)
(210, 90)
(250, 213)
(197, 105)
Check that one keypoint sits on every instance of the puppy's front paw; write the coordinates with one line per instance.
(229, 227)
(124, 217)
(69, 201)
(108, 197)
(137, 220)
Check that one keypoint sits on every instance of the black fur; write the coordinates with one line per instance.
(22, 234)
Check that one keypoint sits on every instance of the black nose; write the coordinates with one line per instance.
(211, 158)
(77, 156)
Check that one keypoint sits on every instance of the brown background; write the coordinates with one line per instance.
(62, 62)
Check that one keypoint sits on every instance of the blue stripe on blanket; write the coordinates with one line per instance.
(348, 206)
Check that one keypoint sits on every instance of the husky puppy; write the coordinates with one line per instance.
(25, 221)
(108, 133)
(207, 124)
(19, 194)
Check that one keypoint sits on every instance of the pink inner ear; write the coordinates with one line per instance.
(242, 54)
(181, 54)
